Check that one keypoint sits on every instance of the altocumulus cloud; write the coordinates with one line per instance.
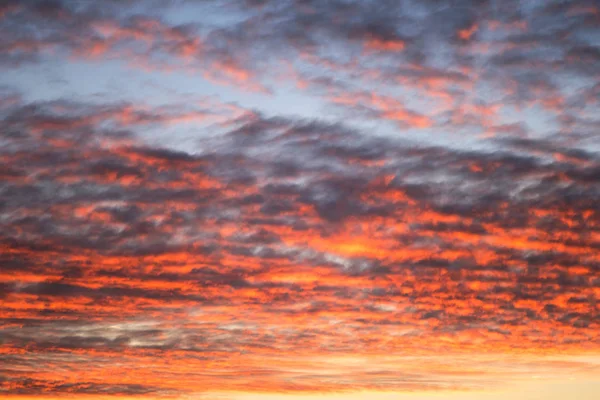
(378, 183)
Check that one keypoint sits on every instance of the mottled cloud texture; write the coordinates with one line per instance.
(298, 196)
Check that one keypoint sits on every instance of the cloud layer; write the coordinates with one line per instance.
(282, 239)
(431, 224)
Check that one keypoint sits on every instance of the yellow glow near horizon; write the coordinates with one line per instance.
(568, 389)
(574, 388)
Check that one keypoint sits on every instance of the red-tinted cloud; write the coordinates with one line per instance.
(129, 269)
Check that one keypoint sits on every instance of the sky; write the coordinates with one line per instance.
(299, 199)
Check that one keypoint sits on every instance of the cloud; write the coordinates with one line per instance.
(32, 386)
(286, 254)
(519, 56)
(235, 248)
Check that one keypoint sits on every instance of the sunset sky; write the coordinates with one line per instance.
(300, 199)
